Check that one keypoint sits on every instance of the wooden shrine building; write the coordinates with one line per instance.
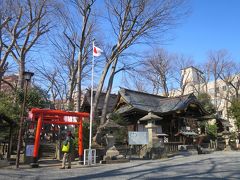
(180, 116)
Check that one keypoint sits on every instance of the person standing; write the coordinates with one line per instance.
(67, 154)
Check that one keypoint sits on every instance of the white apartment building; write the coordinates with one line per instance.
(193, 81)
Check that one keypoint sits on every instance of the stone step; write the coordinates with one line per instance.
(48, 150)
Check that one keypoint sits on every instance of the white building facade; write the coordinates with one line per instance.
(193, 81)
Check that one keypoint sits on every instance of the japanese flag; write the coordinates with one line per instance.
(97, 51)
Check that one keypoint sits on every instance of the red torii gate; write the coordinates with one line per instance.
(48, 116)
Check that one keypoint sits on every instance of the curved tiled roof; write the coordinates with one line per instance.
(157, 104)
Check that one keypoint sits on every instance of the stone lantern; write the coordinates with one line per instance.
(226, 136)
(151, 118)
(108, 136)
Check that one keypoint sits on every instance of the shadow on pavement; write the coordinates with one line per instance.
(178, 173)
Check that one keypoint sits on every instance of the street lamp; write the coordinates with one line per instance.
(27, 77)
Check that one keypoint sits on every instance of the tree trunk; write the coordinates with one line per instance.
(70, 99)
(109, 89)
(1, 77)
(166, 93)
(70, 103)
(20, 75)
(79, 82)
(99, 89)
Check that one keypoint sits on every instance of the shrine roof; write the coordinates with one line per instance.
(142, 101)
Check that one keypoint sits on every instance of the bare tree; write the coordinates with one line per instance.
(84, 8)
(54, 82)
(180, 74)
(135, 21)
(134, 80)
(66, 57)
(158, 70)
(28, 24)
(66, 61)
(231, 76)
(11, 22)
(72, 46)
(216, 62)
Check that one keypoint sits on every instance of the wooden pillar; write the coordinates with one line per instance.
(80, 139)
(37, 138)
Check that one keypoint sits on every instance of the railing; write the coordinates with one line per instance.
(131, 151)
(171, 146)
(211, 145)
(167, 148)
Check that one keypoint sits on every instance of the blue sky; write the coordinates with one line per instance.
(212, 25)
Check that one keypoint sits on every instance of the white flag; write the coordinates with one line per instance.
(97, 51)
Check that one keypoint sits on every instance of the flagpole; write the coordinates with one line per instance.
(97, 53)
(91, 109)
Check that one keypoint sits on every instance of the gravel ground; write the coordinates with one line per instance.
(218, 165)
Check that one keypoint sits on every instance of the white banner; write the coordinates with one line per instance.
(137, 138)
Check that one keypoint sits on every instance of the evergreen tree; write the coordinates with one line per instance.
(205, 100)
(234, 111)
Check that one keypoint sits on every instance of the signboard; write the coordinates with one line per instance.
(137, 138)
(29, 150)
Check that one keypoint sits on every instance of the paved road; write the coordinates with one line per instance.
(218, 165)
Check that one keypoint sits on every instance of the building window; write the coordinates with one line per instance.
(224, 88)
(217, 89)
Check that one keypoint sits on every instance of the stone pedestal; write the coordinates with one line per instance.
(111, 152)
(113, 156)
(152, 138)
(150, 126)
